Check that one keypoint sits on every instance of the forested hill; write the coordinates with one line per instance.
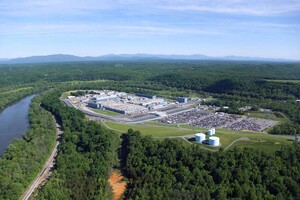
(269, 85)
(155, 169)
(132, 57)
(200, 71)
(168, 170)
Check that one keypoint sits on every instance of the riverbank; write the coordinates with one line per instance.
(14, 122)
(48, 167)
(24, 158)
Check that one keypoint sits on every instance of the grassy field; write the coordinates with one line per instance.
(105, 112)
(65, 95)
(155, 123)
(268, 144)
(268, 115)
(257, 140)
(285, 81)
(158, 130)
(192, 127)
(150, 130)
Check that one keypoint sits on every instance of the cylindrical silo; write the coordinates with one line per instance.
(213, 130)
(199, 137)
(209, 132)
(214, 141)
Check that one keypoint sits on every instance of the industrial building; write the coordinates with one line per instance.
(124, 103)
(123, 108)
(182, 99)
(149, 96)
(99, 98)
(92, 104)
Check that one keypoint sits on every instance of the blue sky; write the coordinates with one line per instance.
(260, 28)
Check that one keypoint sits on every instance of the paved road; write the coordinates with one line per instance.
(46, 169)
(240, 139)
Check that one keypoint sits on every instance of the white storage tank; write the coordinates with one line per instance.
(213, 131)
(214, 141)
(199, 137)
(209, 132)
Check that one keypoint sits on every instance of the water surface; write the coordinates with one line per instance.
(14, 122)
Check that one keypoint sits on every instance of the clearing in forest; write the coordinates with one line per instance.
(118, 184)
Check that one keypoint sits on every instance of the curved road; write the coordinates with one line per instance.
(240, 139)
(46, 169)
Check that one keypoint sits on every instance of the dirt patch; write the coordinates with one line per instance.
(118, 186)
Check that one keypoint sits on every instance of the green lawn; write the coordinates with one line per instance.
(277, 116)
(257, 140)
(266, 115)
(65, 95)
(262, 141)
(285, 81)
(105, 112)
(155, 123)
(150, 130)
(268, 145)
(193, 127)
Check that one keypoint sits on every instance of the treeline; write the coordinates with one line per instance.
(286, 129)
(234, 82)
(237, 85)
(290, 108)
(24, 158)
(188, 74)
(168, 170)
(84, 158)
(13, 95)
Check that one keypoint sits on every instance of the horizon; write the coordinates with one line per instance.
(264, 29)
(160, 56)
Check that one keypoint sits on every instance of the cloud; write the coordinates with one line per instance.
(129, 30)
(241, 7)
(52, 8)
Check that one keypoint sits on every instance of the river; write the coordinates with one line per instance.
(14, 122)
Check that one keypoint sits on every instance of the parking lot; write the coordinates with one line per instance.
(202, 119)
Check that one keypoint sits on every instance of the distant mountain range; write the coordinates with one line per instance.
(114, 57)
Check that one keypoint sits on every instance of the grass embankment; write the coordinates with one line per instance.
(277, 116)
(284, 81)
(105, 112)
(262, 141)
(155, 131)
(158, 130)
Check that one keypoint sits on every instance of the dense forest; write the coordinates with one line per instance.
(85, 156)
(168, 170)
(24, 158)
(155, 169)
(233, 82)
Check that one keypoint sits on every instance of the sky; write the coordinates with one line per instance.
(256, 28)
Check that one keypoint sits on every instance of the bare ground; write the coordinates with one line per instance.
(117, 184)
